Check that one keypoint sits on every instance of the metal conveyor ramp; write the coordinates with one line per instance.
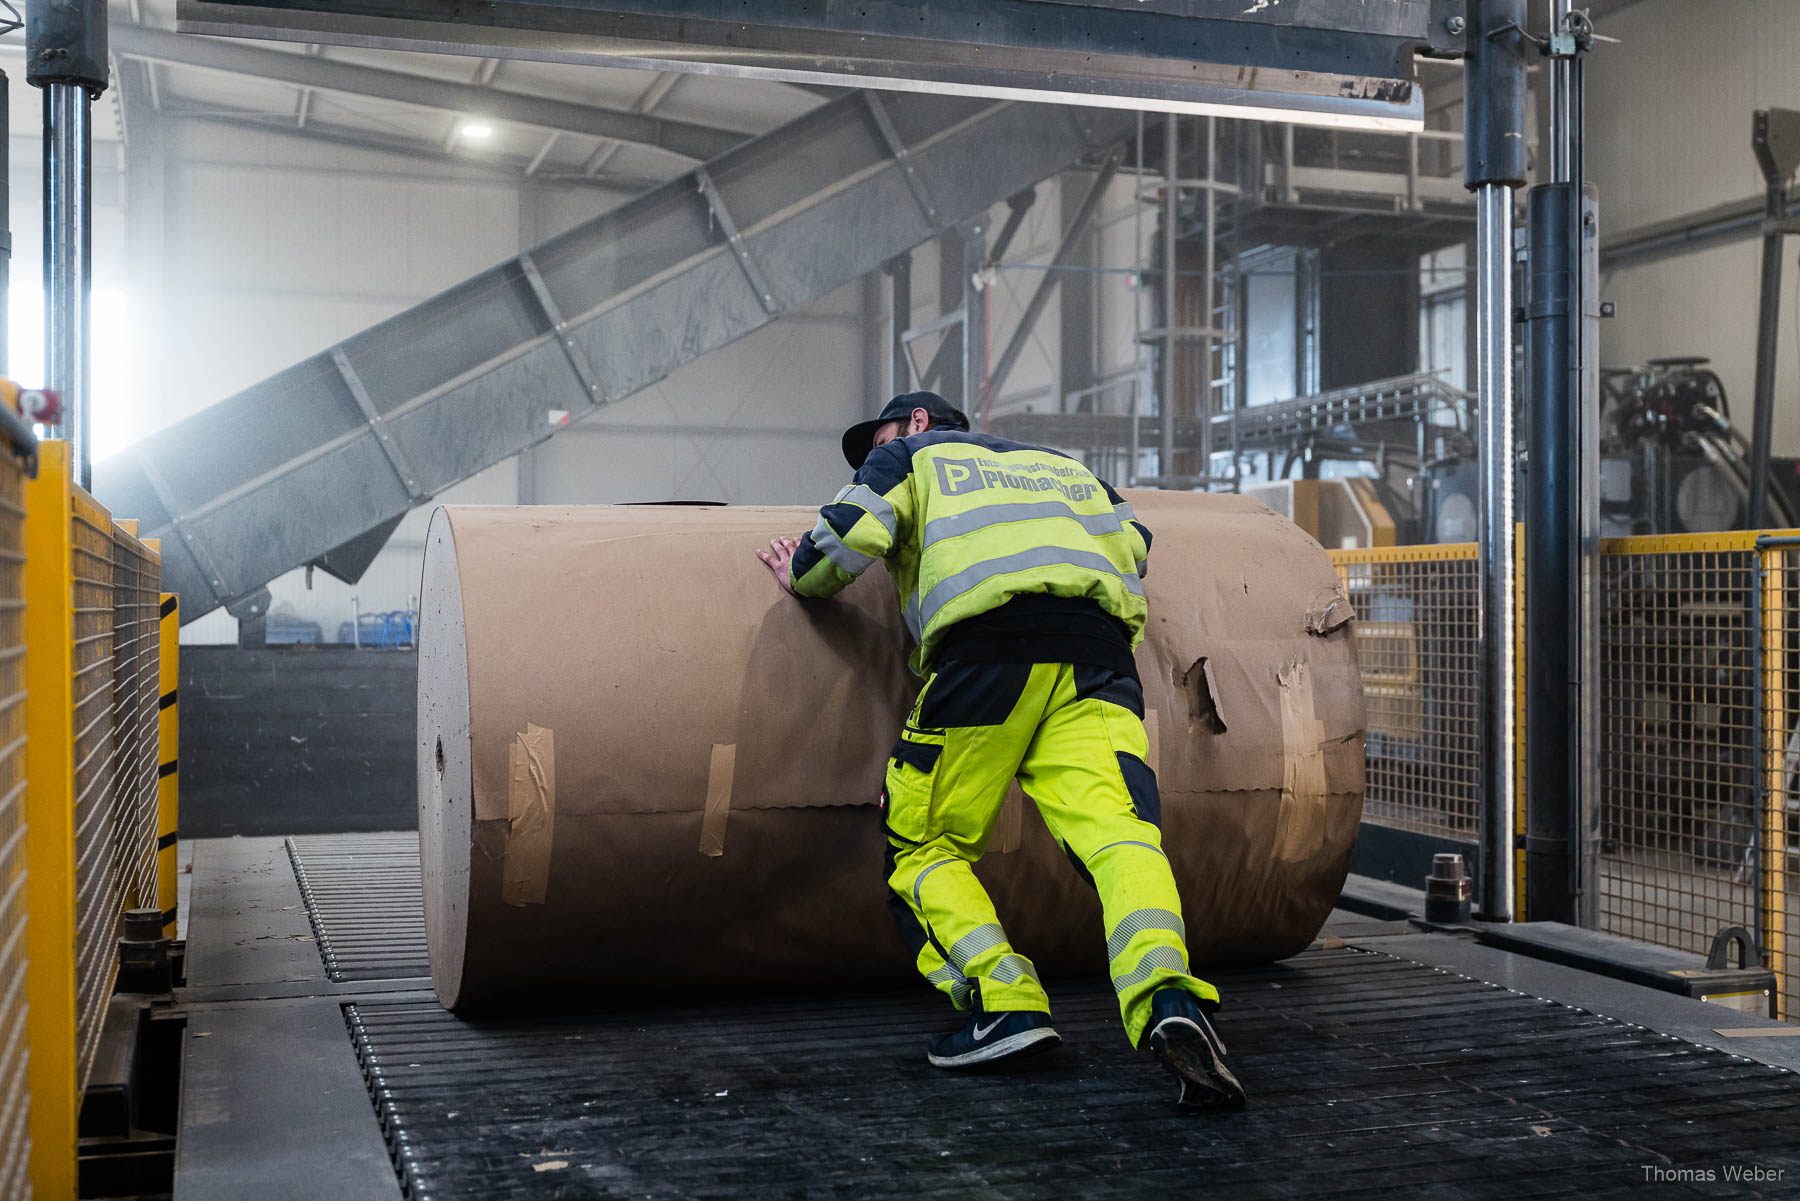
(318, 463)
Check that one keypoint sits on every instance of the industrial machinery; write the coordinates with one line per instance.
(1672, 462)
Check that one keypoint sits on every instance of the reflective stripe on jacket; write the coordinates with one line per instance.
(968, 521)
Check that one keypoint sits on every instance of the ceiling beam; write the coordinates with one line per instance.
(351, 79)
(1334, 62)
(317, 130)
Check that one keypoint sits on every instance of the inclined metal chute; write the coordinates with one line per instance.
(338, 445)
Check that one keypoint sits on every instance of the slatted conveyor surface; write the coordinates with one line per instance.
(1369, 1076)
(362, 894)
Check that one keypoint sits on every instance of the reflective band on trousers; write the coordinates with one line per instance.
(958, 524)
(959, 987)
(1155, 957)
(1011, 969)
(954, 586)
(1138, 921)
(1127, 843)
(919, 881)
(981, 938)
(871, 502)
(851, 562)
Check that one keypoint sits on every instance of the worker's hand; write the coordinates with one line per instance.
(776, 559)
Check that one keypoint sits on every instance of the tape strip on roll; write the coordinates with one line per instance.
(718, 798)
(1009, 827)
(1300, 824)
(1153, 734)
(531, 816)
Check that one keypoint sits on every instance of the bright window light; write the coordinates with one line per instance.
(477, 132)
(118, 416)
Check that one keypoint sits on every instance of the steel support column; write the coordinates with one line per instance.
(1552, 530)
(1562, 505)
(1776, 140)
(1494, 164)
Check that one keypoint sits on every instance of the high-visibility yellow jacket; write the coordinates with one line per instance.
(968, 521)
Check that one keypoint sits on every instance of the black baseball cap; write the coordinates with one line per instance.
(859, 439)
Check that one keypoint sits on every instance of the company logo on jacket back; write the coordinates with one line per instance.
(957, 476)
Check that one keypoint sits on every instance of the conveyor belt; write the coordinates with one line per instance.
(362, 894)
(1369, 1076)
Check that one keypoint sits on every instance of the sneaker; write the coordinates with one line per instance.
(991, 1037)
(1186, 1043)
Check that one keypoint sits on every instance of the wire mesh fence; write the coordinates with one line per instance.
(15, 1148)
(136, 596)
(1415, 641)
(99, 854)
(1678, 697)
(1698, 720)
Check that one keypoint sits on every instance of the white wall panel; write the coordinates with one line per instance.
(1669, 134)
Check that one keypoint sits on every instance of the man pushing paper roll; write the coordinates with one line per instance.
(1020, 579)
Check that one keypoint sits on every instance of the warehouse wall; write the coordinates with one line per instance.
(273, 247)
(1669, 113)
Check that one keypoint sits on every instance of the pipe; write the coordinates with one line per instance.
(1205, 400)
(68, 267)
(1768, 329)
(1165, 408)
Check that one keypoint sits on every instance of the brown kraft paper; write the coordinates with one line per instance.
(1300, 826)
(650, 639)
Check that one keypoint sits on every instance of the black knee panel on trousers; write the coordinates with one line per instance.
(1140, 782)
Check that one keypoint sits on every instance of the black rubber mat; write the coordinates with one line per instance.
(1368, 1076)
(362, 894)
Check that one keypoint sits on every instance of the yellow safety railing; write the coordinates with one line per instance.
(15, 1144)
(1416, 632)
(1696, 685)
(1699, 725)
(92, 622)
(1417, 641)
(168, 730)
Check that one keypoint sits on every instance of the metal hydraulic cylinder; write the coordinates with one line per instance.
(66, 56)
(1494, 164)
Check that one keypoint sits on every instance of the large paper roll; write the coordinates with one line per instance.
(645, 771)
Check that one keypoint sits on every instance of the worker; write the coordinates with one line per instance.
(1019, 577)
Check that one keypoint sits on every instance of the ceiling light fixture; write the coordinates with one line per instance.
(477, 132)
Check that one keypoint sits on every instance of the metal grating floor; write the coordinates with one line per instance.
(362, 893)
(1369, 1076)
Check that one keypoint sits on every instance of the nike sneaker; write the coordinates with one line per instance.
(1186, 1043)
(988, 1038)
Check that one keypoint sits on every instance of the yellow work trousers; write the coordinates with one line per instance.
(1073, 736)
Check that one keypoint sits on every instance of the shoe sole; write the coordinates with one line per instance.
(1192, 1058)
(1026, 1042)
